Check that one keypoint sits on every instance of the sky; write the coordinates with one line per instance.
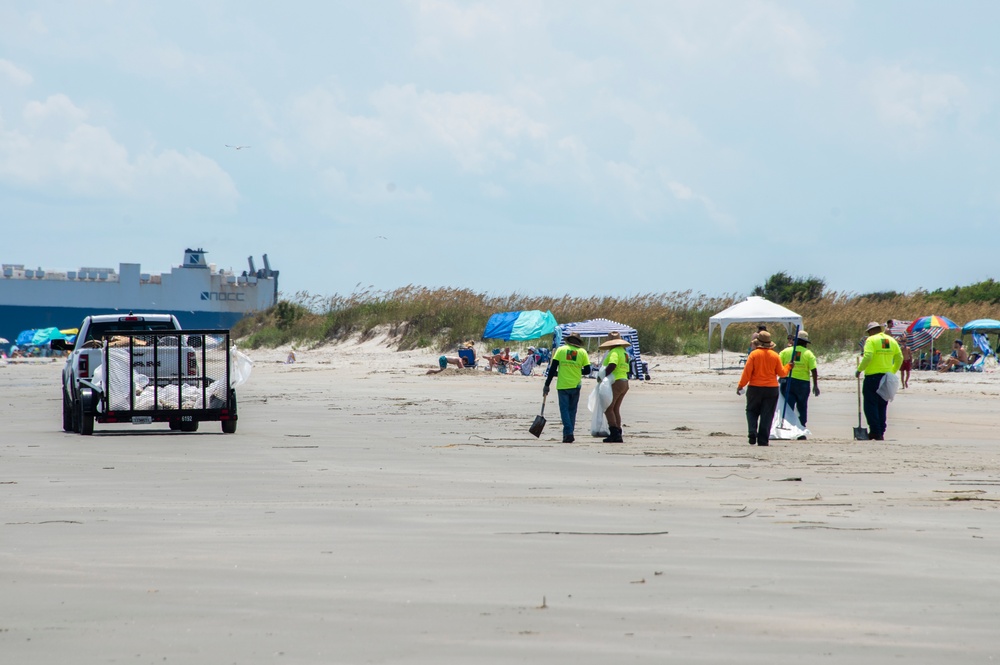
(541, 147)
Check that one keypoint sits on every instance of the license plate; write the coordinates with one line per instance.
(142, 420)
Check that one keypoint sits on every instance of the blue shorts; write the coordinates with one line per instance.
(443, 361)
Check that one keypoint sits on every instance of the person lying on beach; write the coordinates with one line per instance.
(444, 361)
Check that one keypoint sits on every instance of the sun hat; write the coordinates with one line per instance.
(614, 339)
(803, 337)
(764, 340)
(573, 339)
(873, 325)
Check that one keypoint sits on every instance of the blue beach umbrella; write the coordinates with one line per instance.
(520, 326)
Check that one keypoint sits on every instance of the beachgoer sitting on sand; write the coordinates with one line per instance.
(958, 359)
(444, 361)
(500, 359)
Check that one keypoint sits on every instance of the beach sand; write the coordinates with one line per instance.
(367, 513)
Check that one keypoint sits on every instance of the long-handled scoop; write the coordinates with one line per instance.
(788, 381)
(539, 422)
(860, 433)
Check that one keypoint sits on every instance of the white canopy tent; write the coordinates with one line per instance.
(752, 310)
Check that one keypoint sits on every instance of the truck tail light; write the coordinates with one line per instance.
(83, 366)
(192, 363)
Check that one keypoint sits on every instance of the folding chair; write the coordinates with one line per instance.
(468, 356)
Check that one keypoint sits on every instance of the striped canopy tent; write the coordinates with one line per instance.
(596, 328)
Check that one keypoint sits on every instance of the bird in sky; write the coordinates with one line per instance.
(237, 147)
(380, 238)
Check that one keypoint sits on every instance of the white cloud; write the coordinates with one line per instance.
(57, 149)
(915, 100)
(685, 194)
(14, 74)
(475, 130)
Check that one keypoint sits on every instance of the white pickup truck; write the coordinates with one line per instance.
(142, 368)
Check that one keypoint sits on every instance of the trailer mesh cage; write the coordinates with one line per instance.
(162, 373)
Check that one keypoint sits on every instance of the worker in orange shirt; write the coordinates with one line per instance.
(761, 373)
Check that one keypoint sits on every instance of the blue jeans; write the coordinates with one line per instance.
(569, 399)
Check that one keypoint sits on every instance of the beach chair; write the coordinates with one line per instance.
(527, 366)
(468, 356)
(976, 365)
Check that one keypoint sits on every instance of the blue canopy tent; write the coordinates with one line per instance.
(520, 326)
(981, 325)
(601, 328)
(980, 328)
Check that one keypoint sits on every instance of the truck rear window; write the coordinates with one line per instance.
(98, 330)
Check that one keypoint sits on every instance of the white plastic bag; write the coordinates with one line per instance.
(598, 402)
(239, 367)
(888, 386)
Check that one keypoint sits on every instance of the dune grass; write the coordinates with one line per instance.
(674, 323)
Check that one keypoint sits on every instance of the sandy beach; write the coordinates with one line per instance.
(367, 513)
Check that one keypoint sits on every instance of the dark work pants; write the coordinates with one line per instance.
(760, 411)
(875, 407)
(798, 398)
(569, 399)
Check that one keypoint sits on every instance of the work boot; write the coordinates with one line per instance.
(618, 435)
(753, 439)
(568, 439)
(610, 438)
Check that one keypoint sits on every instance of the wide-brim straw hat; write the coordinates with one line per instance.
(614, 339)
(764, 340)
(573, 339)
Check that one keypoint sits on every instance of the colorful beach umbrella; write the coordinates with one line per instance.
(933, 324)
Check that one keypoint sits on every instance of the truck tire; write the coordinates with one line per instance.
(229, 426)
(188, 426)
(84, 419)
(85, 412)
(67, 408)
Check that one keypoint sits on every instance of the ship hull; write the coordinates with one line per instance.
(195, 292)
(14, 319)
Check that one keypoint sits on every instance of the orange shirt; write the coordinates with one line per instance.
(762, 369)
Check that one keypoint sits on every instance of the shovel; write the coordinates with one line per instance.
(860, 433)
(539, 423)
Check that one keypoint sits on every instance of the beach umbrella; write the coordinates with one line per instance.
(934, 326)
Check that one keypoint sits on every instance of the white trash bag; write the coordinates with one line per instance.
(789, 428)
(239, 367)
(598, 402)
(888, 386)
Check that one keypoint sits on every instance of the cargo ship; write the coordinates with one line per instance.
(196, 292)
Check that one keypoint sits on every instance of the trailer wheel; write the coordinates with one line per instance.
(67, 408)
(229, 426)
(174, 425)
(188, 426)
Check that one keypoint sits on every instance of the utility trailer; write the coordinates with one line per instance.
(179, 377)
